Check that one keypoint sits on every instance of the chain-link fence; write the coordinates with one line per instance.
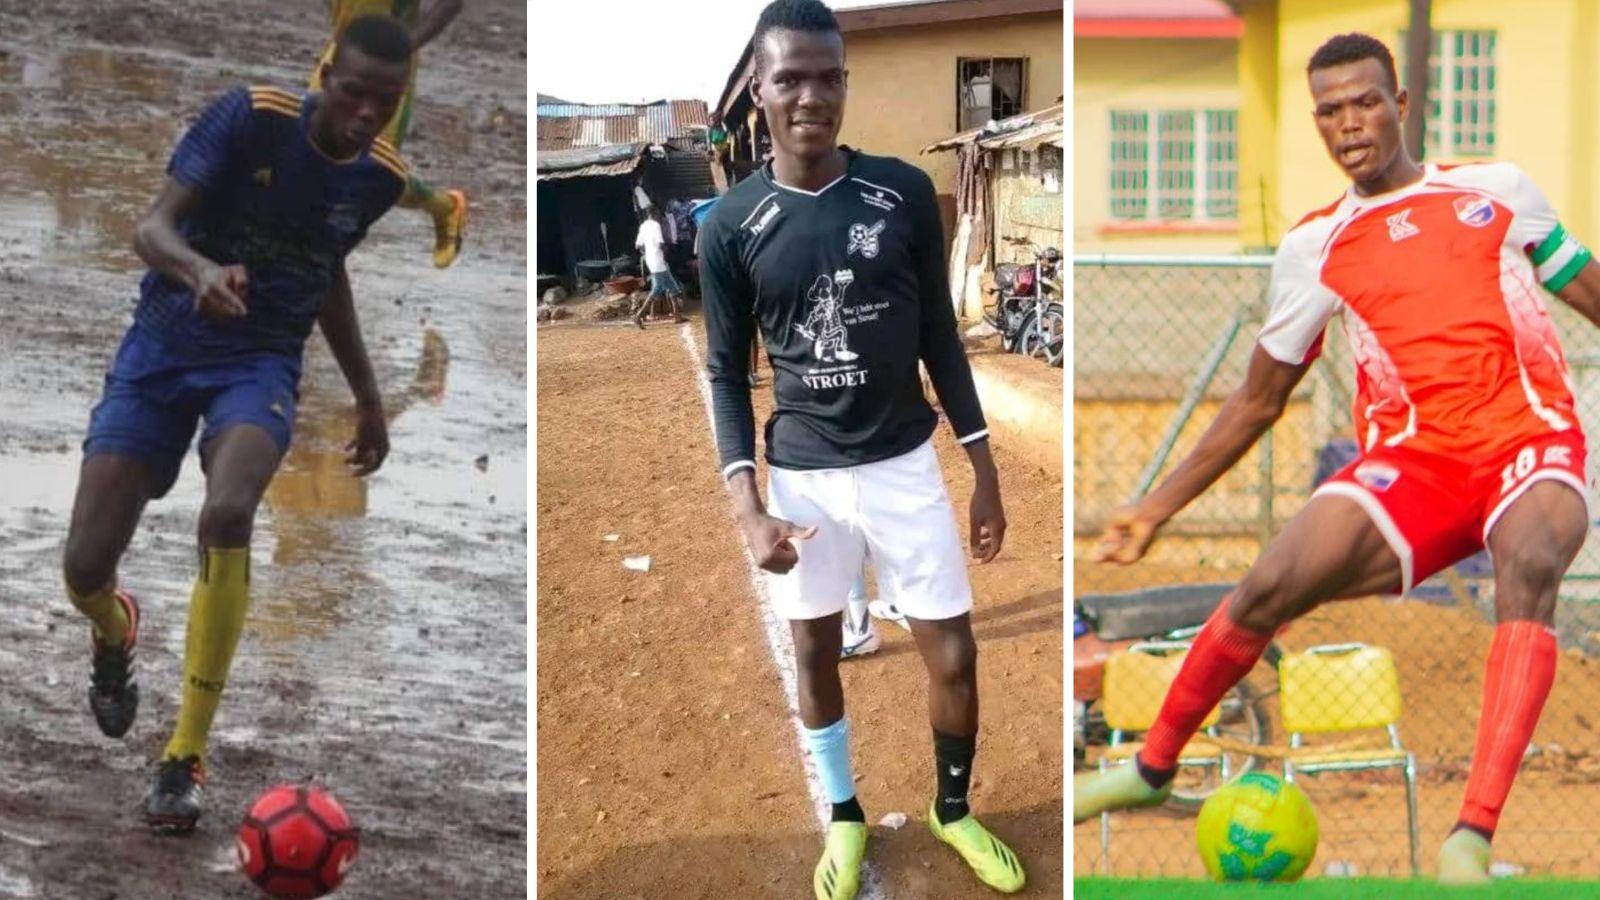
(1159, 344)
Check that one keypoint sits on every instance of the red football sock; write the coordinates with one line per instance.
(1222, 654)
(1522, 666)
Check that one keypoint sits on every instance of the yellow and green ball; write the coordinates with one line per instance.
(1257, 828)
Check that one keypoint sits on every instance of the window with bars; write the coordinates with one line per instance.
(1461, 86)
(1185, 168)
(988, 89)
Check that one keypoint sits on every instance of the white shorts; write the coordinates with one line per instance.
(894, 511)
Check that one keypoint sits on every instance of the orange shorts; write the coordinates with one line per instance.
(1435, 511)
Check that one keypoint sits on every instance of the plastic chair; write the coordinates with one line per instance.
(1342, 688)
(1136, 683)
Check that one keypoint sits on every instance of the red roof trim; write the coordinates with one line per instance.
(1158, 28)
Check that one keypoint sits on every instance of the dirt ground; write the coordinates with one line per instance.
(1551, 821)
(667, 762)
(385, 655)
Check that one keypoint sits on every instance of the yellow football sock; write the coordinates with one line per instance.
(421, 195)
(107, 618)
(216, 619)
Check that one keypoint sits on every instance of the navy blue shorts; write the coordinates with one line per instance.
(154, 399)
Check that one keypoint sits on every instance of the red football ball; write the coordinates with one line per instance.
(296, 842)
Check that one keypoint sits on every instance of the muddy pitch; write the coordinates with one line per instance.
(385, 653)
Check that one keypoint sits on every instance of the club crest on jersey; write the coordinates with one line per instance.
(864, 239)
(1474, 211)
(1377, 476)
(1400, 226)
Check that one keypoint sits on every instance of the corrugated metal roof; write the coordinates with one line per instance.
(691, 113)
(556, 133)
(618, 159)
(586, 110)
(1027, 129)
(618, 168)
(596, 125)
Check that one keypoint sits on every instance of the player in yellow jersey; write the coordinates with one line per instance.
(448, 208)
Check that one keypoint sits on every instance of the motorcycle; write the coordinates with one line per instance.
(1027, 310)
(1162, 619)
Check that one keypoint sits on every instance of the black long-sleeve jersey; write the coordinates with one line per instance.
(849, 289)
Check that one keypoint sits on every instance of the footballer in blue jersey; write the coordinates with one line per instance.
(266, 194)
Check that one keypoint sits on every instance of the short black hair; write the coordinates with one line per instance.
(378, 36)
(793, 15)
(1342, 49)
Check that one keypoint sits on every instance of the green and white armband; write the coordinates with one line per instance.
(1559, 259)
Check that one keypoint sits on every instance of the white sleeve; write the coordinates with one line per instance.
(1556, 255)
(1533, 219)
(1298, 304)
(1534, 230)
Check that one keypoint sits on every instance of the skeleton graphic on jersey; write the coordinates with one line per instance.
(825, 323)
(1437, 285)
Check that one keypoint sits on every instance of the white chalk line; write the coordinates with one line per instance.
(781, 643)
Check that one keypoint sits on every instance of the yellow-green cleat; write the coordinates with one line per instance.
(1464, 858)
(1120, 787)
(449, 231)
(990, 859)
(838, 873)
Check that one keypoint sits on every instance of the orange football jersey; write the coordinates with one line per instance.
(1438, 286)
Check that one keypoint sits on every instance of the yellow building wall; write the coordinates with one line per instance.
(1132, 73)
(902, 94)
(1259, 222)
(1545, 95)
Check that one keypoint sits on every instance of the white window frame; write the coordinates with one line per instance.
(1441, 135)
(1200, 161)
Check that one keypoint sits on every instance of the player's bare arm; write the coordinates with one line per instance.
(1245, 416)
(435, 19)
(219, 291)
(986, 513)
(343, 333)
(769, 538)
(1582, 293)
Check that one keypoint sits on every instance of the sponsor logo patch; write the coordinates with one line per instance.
(1400, 226)
(765, 220)
(1377, 476)
(879, 199)
(1474, 211)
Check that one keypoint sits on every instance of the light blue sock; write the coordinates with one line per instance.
(830, 750)
(855, 614)
(858, 591)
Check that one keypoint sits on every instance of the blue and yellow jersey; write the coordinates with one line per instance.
(274, 203)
